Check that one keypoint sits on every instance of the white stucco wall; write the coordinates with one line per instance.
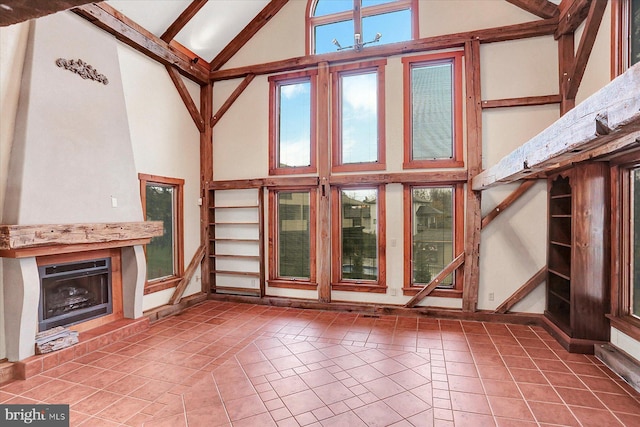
(165, 142)
(13, 41)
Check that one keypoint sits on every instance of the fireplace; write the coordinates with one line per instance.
(74, 292)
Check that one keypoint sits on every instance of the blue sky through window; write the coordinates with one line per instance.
(295, 125)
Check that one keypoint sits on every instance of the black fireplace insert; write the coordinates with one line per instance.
(74, 292)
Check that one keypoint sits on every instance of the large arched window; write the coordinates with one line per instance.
(334, 25)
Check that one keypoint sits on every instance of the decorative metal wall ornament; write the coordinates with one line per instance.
(82, 69)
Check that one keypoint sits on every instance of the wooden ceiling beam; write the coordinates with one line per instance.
(572, 14)
(186, 98)
(592, 24)
(182, 20)
(542, 8)
(127, 31)
(247, 33)
(611, 113)
(498, 34)
(15, 11)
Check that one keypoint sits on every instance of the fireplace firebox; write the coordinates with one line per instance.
(74, 292)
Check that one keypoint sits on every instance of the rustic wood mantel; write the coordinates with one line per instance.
(19, 241)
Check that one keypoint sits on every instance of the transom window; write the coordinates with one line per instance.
(353, 24)
(162, 200)
(292, 124)
(433, 110)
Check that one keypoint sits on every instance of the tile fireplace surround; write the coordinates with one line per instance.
(232, 364)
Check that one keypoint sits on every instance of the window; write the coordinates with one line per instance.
(162, 201)
(358, 236)
(358, 117)
(292, 124)
(433, 236)
(352, 24)
(626, 35)
(433, 110)
(634, 249)
(625, 244)
(292, 239)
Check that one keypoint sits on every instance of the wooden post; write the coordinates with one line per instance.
(565, 61)
(206, 176)
(323, 254)
(474, 166)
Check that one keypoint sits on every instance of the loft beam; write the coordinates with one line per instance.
(490, 35)
(247, 33)
(182, 20)
(15, 11)
(542, 8)
(609, 114)
(127, 31)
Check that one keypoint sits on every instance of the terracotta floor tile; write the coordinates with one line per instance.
(470, 419)
(406, 404)
(383, 387)
(591, 417)
(539, 393)
(293, 384)
(333, 392)
(349, 419)
(96, 402)
(377, 414)
(465, 384)
(288, 367)
(510, 408)
(579, 397)
(123, 409)
(303, 401)
(501, 388)
(553, 414)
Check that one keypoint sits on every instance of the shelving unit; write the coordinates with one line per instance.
(578, 256)
(236, 250)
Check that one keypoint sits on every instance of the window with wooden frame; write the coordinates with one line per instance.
(358, 138)
(625, 37)
(358, 239)
(433, 236)
(433, 110)
(162, 200)
(292, 125)
(625, 248)
(292, 238)
(334, 25)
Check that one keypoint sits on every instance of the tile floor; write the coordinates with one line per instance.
(223, 364)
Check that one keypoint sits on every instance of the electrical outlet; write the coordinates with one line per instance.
(491, 296)
(114, 202)
(393, 292)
